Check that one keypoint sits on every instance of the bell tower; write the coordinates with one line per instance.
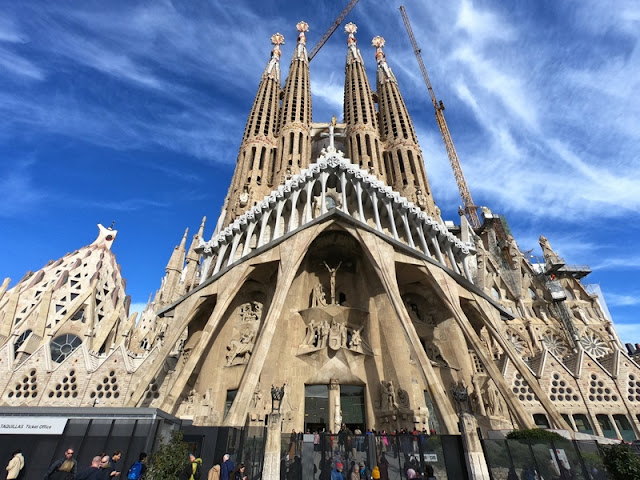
(363, 141)
(254, 168)
(295, 115)
(403, 160)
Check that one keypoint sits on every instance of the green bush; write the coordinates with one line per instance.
(169, 460)
(534, 434)
(621, 462)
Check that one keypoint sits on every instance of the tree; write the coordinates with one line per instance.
(169, 460)
(621, 462)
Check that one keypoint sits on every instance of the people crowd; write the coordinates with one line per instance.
(344, 455)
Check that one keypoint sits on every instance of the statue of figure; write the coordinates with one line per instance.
(389, 395)
(257, 309)
(343, 335)
(310, 338)
(356, 340)
(485, 339)
(318, 298)
(244, 197)
(192, 396)
(287, 396)
(421, 199)
(337, 414)
(332, 273)
(240, 348)
(494, 406)
(257, 396)
(323, 333)
(435, 354)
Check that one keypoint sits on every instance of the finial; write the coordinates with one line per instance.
(277, 39)
(351, 28)
(112, 225)
(302, 27)
(378, 42)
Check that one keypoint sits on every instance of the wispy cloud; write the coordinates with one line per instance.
(618, 300)
(19, 66)
(127, 204)
(628, 332)
(19, 193)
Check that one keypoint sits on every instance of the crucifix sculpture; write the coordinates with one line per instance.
(332, 272)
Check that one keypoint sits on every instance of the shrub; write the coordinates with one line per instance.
(534, 434)
(169, 460)
(621, 462)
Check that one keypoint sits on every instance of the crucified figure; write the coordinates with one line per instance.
(332, 272)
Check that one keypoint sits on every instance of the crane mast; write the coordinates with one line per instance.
(470, 209)
(332, 29)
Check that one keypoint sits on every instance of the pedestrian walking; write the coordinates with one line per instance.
(227, 468)
(16, 464)
(92, 472)
(64, 468)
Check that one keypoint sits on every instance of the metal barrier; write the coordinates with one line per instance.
(544, 460)
(393, 455)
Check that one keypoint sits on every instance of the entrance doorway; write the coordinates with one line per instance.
(352, 405)
(316, 408)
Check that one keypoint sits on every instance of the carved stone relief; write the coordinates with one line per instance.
(334, 335)
(244, 334)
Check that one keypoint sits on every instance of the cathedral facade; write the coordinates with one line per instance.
(330, 272)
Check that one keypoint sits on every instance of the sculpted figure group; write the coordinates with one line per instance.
(335, 334)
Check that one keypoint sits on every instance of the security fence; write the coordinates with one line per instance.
(314, 456)
(44, 434)
(544, 460)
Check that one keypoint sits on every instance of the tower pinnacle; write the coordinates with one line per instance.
(363, 140)
(294, 150)
(403, 163)
(255, 165)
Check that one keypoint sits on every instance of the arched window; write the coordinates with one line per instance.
(63, 346)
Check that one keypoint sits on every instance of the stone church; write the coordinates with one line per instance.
(330, 272)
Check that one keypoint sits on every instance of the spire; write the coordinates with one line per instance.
(177, 257)
(294, 151)
(363, 140)
(254, 172)
(404, 166)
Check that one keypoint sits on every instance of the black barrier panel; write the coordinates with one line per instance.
(394, 455)
(244, 445)
(87, 437)
(557, 459)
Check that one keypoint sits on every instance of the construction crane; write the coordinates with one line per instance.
(470, 209)
(332, 29)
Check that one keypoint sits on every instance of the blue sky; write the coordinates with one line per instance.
(133, 111)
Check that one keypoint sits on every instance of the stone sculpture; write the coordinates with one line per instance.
(318, 298)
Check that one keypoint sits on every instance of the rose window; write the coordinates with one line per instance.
(517, 342)
(594, 345)
(63, 346)
(554, 344)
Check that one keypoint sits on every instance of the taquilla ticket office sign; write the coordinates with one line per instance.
(32, 425)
